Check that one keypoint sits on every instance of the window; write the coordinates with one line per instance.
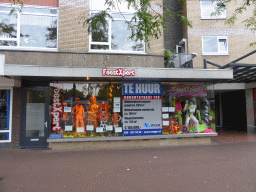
(115, 38)
(215, 45)
(5, 121)
(208, 7)
(34, 27)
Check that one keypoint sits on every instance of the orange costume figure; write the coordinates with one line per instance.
(103, 111)
(92, 114)
(116, 118)
(174, 126)
(79, 113)
(65, 114)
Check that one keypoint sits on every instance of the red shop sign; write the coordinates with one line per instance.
(57, 109)
(118, 72)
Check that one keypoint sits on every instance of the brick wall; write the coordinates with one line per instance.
(72, 36)
(239, 37)
(16, 117)
(174, 31)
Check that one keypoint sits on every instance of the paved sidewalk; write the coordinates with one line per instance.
(229, 165)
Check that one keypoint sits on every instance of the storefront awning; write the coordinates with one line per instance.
(157, 74)
(242, 72)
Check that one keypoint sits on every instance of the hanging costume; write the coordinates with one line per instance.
(78, 116)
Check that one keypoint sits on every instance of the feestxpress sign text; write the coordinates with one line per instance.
(141, 88)
(118, 72)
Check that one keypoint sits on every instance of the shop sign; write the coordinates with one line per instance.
(188, 90)
(141, 88)
(57, 109)
(142, 115)
(118, 72)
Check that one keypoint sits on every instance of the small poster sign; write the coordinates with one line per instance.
(89, 127)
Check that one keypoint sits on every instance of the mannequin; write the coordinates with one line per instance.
(190, 109)
(178, 110)
(103, 115)
(116, 118)
(92, 113)
(79, 114)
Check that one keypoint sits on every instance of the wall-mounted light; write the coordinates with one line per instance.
(150, 58)
(126, 62)
(105, 62)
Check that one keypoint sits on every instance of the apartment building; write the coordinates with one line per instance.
(62, 86)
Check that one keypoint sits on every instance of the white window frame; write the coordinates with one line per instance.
(18, 47)
(109, 34)
(219, 52)
(10, 117)
(214, 3)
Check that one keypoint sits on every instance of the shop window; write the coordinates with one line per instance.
(5, 129)
(34, 27)
(213, 9)
(107, 109)
(115, 37)
(187, 109)
(86, 110)
(215, 45)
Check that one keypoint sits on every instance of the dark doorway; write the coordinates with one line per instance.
(35, 117)
(233, 108)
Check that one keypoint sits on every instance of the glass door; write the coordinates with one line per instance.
(35, 117)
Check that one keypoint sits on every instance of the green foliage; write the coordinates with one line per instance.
(147, 21)
(168, 54)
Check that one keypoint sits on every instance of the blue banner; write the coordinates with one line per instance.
(141, 88)
(142, 132)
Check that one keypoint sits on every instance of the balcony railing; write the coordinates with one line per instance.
(180, 60)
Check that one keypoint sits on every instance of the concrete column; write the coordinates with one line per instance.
(250, 111)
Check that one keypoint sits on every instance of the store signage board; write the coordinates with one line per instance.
(99, 129)
(109, 127)
(165, 116)
(164, 109)
(89, 127)
(67, 109)
(187, 90)
(142, 115)
(68, 128)
(121, 72)
(141, 88)
(57, 109)
(80, 129)
(171, 109)
(118, 129)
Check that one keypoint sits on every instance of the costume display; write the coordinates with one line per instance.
(65, 115)
(116, 118)
(190, 109)
(178, 110)
(79, 114)
(103, 115)
(92, 113)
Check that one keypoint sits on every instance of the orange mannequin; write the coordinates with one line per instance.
(79, 112)
(65, 114)
(103, 107)
(92, 114)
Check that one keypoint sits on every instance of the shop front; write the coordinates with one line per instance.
(114, 104)
(110, 109)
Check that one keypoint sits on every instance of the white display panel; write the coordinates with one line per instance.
(68, 128)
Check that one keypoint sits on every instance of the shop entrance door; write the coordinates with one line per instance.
(35, 117)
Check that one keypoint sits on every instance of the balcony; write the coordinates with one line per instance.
(180, 60)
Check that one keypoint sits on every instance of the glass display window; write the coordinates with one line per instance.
(5, 128)
(85, 109)
(187, 109)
